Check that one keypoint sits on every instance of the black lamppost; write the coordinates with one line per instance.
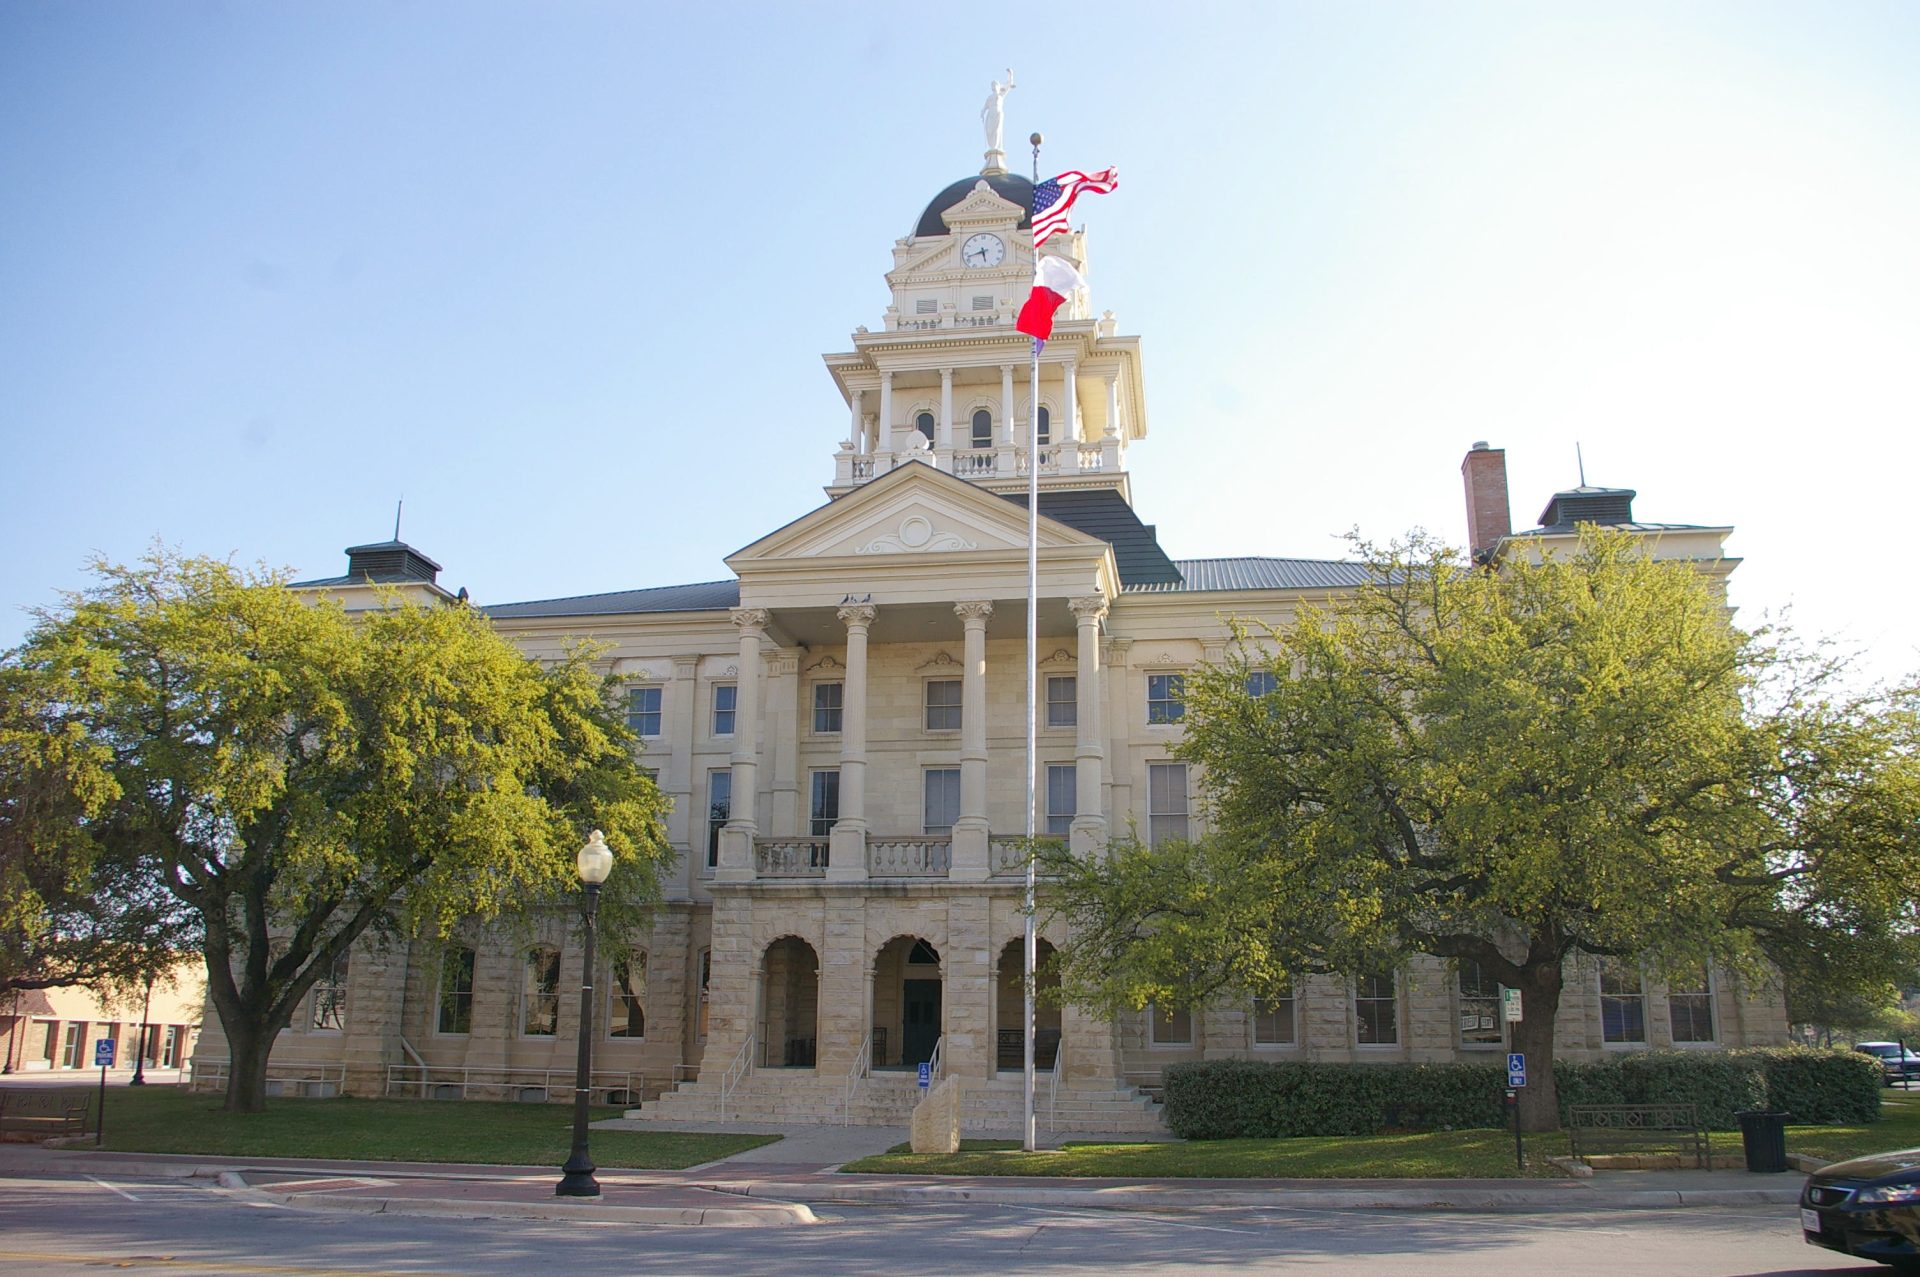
(593, 863)
(139, 1077)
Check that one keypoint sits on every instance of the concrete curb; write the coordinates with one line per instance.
(1144, 1198)
(573, 1211)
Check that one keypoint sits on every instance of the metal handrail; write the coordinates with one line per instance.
(862, 1066)
(934, 1064)
(555, 1081)
(1053, 1085)
(418, 1059)
(736, 1072)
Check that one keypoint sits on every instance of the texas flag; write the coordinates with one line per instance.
(1054, 280)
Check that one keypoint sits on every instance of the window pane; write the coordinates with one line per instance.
(1046, 426)
(1061, 798)
(1260, 682)
(1166, 697)
(1273, 1020)
(627, 1001)
(942, 799)
(1063, 708)
(1375, 1021)
(1479, 1006)
(1166, 801)
(719, 809)
(724, 695)
(983, 429)
(456, 991)
(1623, 1010)
(540, 995)
(643, 710)
(943, 705)
(1170, 1026)
(826, 706)
(824, 809)
(924, 424)
(1690, 1006)
(330, 997)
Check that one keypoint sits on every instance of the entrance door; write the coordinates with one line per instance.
(920, 1002)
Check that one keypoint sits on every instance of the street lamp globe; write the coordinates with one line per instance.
(595, 861)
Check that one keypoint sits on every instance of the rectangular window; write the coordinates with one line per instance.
(926, 305)
(643, 711)
(823, 807)
(1166, 802)
(1375, 1017)
(1273, 1019)
(826, 707)
(1690, 1006)
(723, 702)
(540, 994)
(983, 303)
(1623, 1006)
(70, 1049)
(1169, 1026)
(943, 705)
(50, 1045)
(942, 806)
(1061, 797)
(170, 1047)
(1063, 701)
(1260, 682)
(1479, 1006)
(330, 998)
(1166, 698)
(719, 810)
(456, 991)
(627, 999)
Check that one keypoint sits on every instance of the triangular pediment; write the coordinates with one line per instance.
(982, 207)
(913, 511)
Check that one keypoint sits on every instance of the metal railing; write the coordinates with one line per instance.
(313, 1078)
(1053, 1085)
(923, 856)
(790, 857)
(736, 1072)
(461, 1082)
(934, 1064)
(862, 1067)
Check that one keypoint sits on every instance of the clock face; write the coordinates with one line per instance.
(983, 250)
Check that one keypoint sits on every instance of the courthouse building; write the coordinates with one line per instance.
(840, 724)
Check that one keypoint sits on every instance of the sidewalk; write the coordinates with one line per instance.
(774, 1185)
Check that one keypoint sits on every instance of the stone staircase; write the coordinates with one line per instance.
(1081, 1106)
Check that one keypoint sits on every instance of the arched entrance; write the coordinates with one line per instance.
(1009, 1051)
(789, 1004)
(907, 1012)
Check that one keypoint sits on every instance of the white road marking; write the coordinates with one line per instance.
(123, 1192)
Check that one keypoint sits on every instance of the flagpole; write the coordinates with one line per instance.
(1027, 1141)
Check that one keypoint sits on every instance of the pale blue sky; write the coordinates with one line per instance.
(561, 273)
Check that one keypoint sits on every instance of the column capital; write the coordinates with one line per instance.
(685, 666)
(860, 614)
(750, 619)
(1089, 607)
(946, 376)
(886, 376)
(973, 610)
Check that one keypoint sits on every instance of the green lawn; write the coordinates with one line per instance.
(1423, 1155)
(167, 1119)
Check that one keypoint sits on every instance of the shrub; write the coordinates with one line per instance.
(1839, 1088)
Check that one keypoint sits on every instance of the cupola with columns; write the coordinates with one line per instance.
(948, 379)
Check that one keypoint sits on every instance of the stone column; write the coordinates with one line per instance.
(1089, 831)
(783, 736)
(1110, 440)
(946, 409)
(1119, 712)
(1009, 429)
(847, 854)
(736, 839)
(859, 426)
(1070, 395)
(886, 412)
(677, 778)
(970, 832)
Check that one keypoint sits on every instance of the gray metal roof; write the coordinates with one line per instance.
(1567, 529)
(1258, 574)
(703, 596)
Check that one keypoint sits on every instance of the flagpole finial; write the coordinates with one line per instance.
(1036, 139)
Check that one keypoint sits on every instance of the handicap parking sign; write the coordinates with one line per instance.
(1516, 1069)
(103, 1052)
(926, 1074)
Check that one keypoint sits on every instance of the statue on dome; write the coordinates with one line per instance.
(993, 115)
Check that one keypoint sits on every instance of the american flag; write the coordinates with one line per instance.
(1053, 197)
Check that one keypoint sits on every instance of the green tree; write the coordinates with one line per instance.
(293, 776)
(1510, 767)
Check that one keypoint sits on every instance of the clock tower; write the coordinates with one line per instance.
(947, 381)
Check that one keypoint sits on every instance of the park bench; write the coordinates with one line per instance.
(1636, 1128)
(46, 1110)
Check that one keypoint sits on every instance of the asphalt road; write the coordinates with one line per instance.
(174, 1227)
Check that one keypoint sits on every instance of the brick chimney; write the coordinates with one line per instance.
(1488, 515)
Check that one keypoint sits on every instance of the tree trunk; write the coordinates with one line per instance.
(247, 1053)
(1533, 1037)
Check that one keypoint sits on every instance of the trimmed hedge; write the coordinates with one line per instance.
(1254, 1099)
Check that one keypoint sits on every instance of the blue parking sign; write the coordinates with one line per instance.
(103, 1052)
(926, 1074)
(1516, 1069)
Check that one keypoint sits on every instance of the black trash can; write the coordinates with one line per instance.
(1764, 1136)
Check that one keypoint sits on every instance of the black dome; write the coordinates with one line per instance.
(1010, 187)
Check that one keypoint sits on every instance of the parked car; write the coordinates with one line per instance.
(1897, 1064)
(1868, 1207)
